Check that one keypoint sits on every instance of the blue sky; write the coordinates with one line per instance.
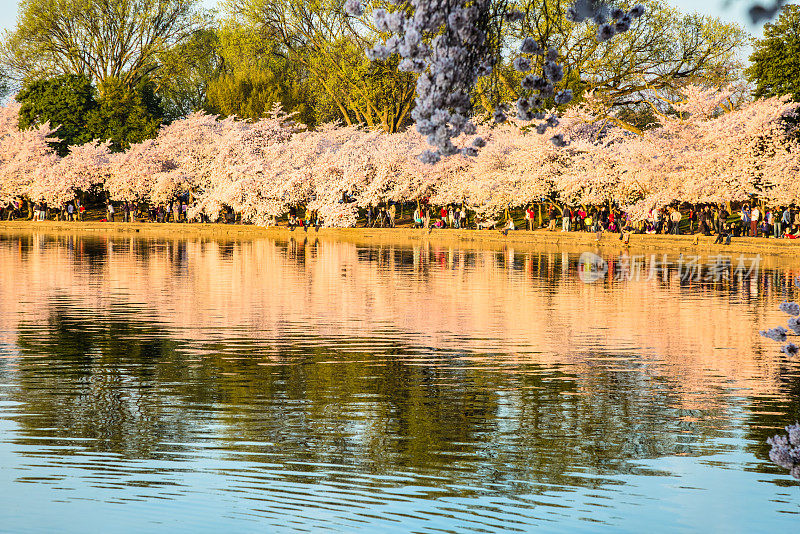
(736, 13)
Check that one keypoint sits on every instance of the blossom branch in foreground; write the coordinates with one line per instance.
(785, 450)
(447, 43)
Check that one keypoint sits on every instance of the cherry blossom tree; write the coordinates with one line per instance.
(25, 158)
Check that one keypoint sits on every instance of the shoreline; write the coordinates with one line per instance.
(557, 240)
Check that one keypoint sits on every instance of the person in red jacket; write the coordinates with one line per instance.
(529, 216)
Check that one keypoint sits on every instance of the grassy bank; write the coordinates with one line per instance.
(569, 241)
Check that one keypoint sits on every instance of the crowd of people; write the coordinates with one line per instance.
(743, 221)
(724, 221)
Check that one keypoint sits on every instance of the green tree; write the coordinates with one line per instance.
(96, 38)
(186, 71)
(124, 116)
(645, 67)
(65, 101)
(121, 115)
(775, 62)
(251, 94)
(320, 40)
(254, 76)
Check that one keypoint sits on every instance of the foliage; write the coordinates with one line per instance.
(98, 39)
(254, 76)
(775, 62)
(320, 39)
(186, 71)
(124, 116)
(664, 51)
(68, 103)
(65, 101)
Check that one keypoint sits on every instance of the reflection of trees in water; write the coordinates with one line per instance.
(428, 403)
(769, 415)
(85, 376)
(126, 387)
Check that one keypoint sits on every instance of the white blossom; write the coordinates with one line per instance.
(776, 334)
(354, 8)
(790, 308)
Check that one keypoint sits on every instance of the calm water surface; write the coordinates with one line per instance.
(212, 386)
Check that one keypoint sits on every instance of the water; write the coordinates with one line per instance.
(262, 386)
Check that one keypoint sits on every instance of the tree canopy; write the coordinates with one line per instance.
(70, 104)
(308, 56)
(775, 62)
(665, 51)
(65, 102)
(319, 38)
(98, 39)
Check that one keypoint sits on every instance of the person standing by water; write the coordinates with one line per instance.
(551, 218)
(418, 222)
(723, 219)
(657, 220)
(786, 220)
(392, 214)
(530, 217)
(769, 223)
(675, 218)
(701, 222)
(745, 216)
(755, 217)
(110, 211)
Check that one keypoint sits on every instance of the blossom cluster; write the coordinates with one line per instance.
(780, 333)
(785, 450)
(447, 43)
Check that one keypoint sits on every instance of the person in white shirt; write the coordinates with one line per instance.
(755, 217)
(676, 217)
